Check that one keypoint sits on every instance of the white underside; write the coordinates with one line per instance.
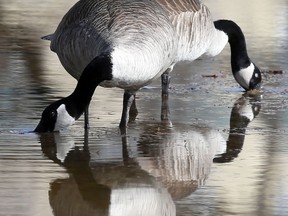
(133, 69)
(244, 76)
(64, 120)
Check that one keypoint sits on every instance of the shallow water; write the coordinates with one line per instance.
(223, 153)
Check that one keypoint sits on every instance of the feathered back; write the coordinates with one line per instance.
(175, 7)
(193, 25)
(92, 27)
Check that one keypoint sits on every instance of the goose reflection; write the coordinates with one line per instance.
(245, 109)
(110, 188)
(169, 163)
(181, 159)
(181, 156)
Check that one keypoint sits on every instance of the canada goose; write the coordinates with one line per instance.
(127, 44)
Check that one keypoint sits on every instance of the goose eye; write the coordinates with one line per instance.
(52, 114)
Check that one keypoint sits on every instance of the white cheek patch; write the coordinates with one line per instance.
(64, 145)
(64, 120)
(244, 76)
(247, 111)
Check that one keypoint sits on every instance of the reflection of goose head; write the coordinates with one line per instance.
(245, 109)
(104, 188)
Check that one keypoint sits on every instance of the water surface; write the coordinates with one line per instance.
(223, 153)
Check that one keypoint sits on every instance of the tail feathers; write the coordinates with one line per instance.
(48, 37)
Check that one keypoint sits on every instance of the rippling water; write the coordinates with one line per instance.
(224, 153)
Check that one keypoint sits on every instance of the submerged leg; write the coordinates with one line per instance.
(133, 112)
(128, 99)
(165, 113)
(165, 81)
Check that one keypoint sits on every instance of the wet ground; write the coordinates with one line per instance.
(223, 153)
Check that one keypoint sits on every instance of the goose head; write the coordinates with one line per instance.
(245, 72)
(55, 117)
(248, 77)
(64, 112)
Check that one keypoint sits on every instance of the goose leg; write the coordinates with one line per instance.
(128, 99)
(133, 110)
(165, 113)
(165, 80)
(86, 118)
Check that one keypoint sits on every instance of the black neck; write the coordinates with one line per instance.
(98, 70)
(239, 56)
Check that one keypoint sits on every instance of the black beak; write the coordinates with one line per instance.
(41, 128)
(255, 82)
(255, 85)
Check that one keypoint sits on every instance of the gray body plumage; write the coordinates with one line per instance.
(194, 28)
(138, 34)
(145, 37)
